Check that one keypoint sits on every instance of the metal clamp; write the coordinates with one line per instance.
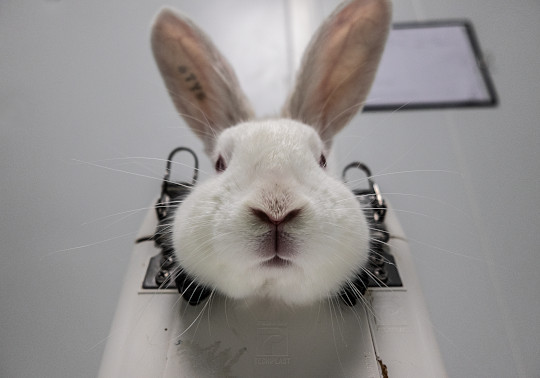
(374, 193)
(161, 205)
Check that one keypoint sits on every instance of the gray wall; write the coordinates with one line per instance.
(83, 112)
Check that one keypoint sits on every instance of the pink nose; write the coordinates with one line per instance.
(267, 218)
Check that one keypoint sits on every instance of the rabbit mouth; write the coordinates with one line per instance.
(276, 262)
(276, 247)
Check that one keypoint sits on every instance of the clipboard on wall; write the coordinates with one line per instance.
(432, 65)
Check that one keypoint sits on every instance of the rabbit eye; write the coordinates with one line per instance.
(220, 164)
(322, 161)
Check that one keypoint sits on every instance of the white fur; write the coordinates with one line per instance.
(215, 235)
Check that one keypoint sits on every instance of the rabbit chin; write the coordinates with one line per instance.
(293, 283)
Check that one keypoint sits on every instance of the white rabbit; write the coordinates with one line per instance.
(273, 222)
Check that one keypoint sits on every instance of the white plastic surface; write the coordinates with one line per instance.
(156, 334)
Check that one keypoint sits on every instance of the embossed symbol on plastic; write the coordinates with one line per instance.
(272, 344)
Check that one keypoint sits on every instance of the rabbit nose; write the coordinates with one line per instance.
(275, 220)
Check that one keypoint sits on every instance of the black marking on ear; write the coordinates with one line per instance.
(190, 77)
(196, 87)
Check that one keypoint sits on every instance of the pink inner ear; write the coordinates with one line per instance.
(200, 81)
(339, 66)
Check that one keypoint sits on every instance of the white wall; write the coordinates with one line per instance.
(79, 89)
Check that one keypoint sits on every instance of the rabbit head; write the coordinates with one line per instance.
(273, 221)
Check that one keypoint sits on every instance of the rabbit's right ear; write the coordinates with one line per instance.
(339, 66)
(201, 82)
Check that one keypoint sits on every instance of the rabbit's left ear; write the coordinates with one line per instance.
(201, 82)
(339, 66)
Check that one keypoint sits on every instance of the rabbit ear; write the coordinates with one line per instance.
(339, 66)
(201, 82)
